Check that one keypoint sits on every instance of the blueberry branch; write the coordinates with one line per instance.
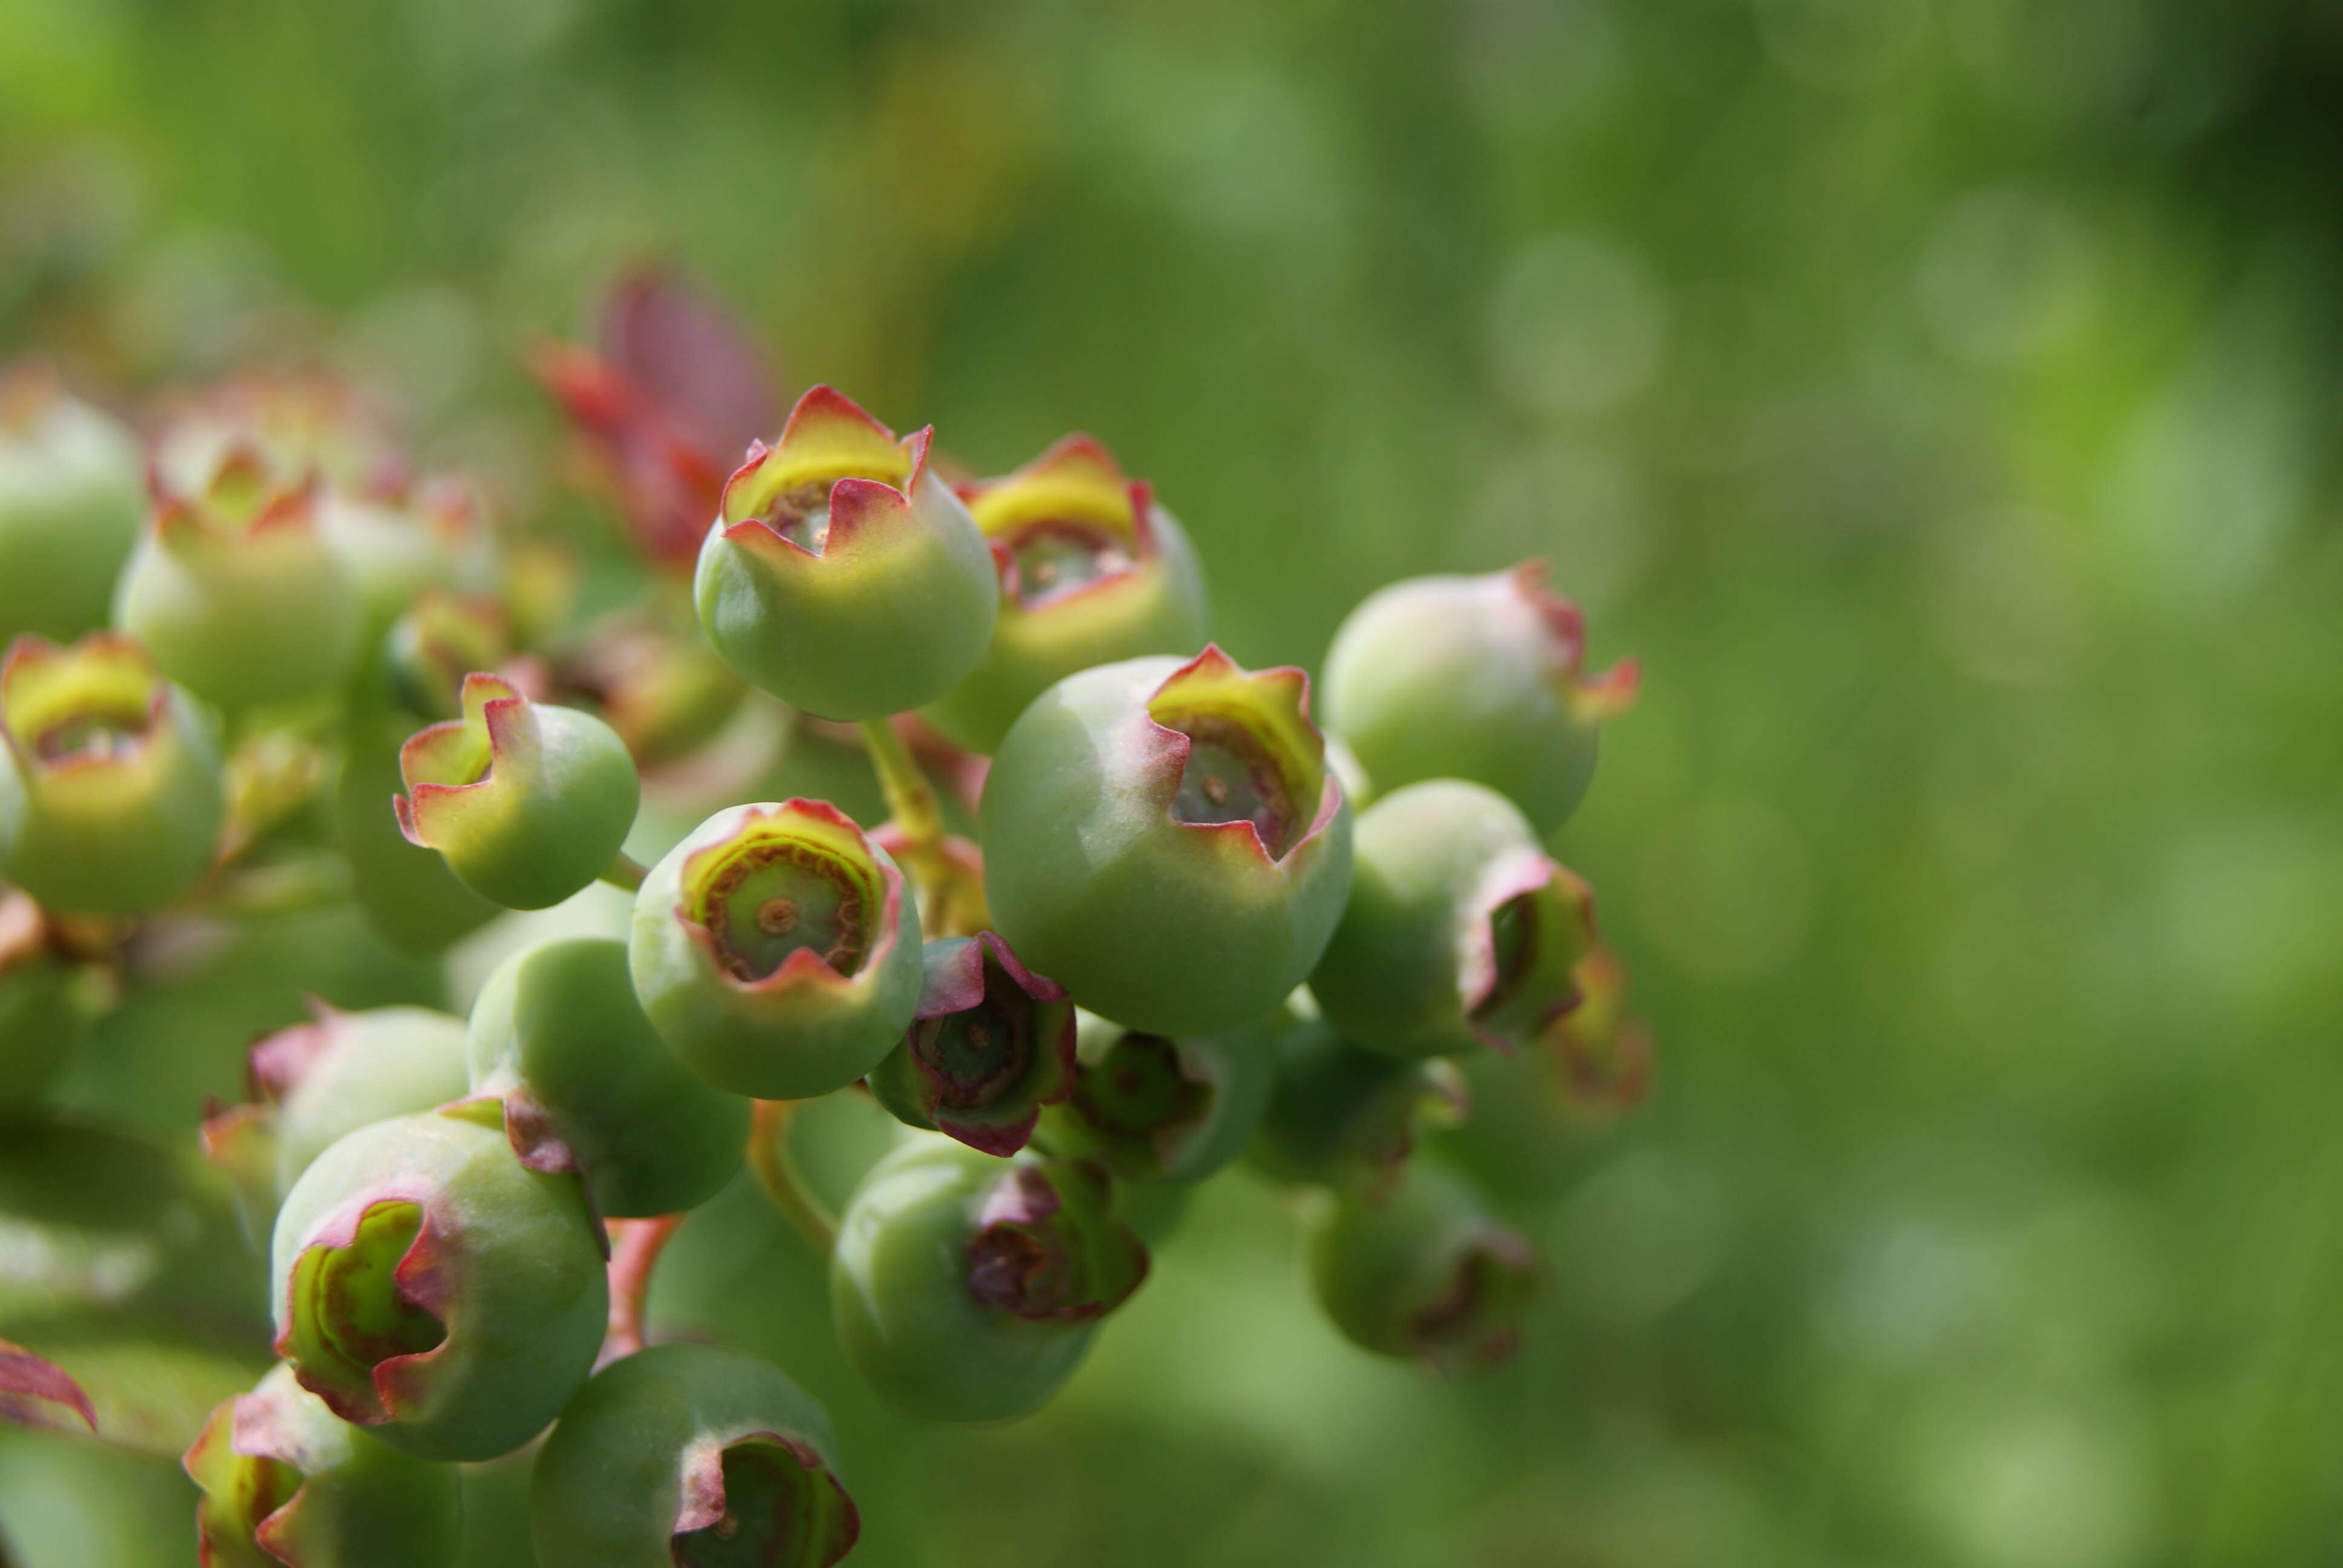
(635, 1249)
(624, 873)
(776, 1172)
(910, 799)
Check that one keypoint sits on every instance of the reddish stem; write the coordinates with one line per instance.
(635, 1249)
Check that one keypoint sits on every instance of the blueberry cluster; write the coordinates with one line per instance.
(1136, 912)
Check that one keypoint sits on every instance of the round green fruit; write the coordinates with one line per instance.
(967, 1287)
(691, 1456)
(430, 1288)
(1165, 840)
(587, 1084)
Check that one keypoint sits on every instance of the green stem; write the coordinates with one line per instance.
(625, 873)
(777, 1172)
(911, 798)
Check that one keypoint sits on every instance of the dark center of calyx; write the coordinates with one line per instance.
(1138, 1089)
(766, 1513)
(981, 1053)
(1057, 559)
(1230, 777)
(774, 900)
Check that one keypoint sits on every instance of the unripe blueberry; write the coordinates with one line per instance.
(691, 1456)
(991, 1045)
(396, 543)
(1166, 839)
(1344, 1117)
(408, 894)
(1151, 1108)
(527, 803)
(430, 1288)
(434, 643)
(72, 495)
(298, 423)
(777, 951)
(1097, 572)
(664, 693)
(588, 1084)
(110, 791)
(1474, 678)
(236, 593)
(283, 1482)
(1459, 929)
(967, 1287)
(1422, 1272)
(47, 1003)
(843, 576)
(314, 1083)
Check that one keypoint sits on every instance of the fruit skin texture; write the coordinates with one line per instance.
(1459, 931)
(1423, 1274)
(314, 1083)
(987, 1093)
(238, 593)
(841, 575)
(967, 1287)
(1147, 596)
(1474, 678)
(803, 1029)
(428, 1226)
(1149, 1108)
(635, 1468)
(119, 825)
(285, 1482)
(1167, 925)
(73, 492)
(528, 801)
(588, 1084)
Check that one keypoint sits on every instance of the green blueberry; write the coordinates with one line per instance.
(967, 1287)
(691, 1456)
(434, 643)
(238, 595)
(314, 1083)
(1151, 1108)
(73, 492)
(1097, 573)
(110, 789)
(1459, 931)
(408, 895)
(286, 1484)
(1474, 678)
(993, 1043)
(665, 693)
(588, 1084)
(1165, 840)
(396, 544)
(1422, 1272)
(1342, 1117)
(526, 802)
(47, 1003)
(843, 576)
(430, 1288)
(777, 951)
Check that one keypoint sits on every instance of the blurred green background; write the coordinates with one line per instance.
(1940, 396)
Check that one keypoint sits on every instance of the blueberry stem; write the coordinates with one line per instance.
(625, 872)
(635, 1249)
(910, 799)
(777, 1172)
